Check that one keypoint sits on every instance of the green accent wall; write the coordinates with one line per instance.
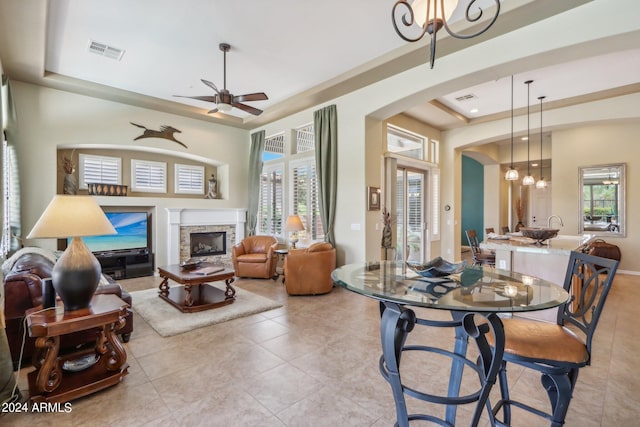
(472, 198)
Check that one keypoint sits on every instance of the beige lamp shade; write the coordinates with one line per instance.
(71, 216)
(294, 223)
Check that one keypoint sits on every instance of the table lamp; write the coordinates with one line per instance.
(77, 272)
(294, 224)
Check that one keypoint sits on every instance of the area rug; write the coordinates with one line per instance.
(168, 320)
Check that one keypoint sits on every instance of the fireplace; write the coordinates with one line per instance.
(208, 243)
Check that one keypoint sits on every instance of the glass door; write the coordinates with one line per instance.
(410, 215)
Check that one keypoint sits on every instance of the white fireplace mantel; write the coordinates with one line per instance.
(182, 217)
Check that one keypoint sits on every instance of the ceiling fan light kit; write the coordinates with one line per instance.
(225, 101)
(405, 18)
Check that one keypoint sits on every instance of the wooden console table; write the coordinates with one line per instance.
(50, 382)
(194, 293)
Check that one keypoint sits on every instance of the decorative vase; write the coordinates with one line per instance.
(70, 184)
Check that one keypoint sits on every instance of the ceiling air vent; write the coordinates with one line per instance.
(103, 49)
(467, 97)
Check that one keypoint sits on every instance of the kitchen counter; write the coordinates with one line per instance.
(562, 244)
(547, 261)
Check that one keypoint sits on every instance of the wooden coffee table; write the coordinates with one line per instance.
(194, 292)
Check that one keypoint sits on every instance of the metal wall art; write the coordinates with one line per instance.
(165, 132)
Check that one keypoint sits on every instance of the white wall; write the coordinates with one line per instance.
(48, 119)
(591, 145)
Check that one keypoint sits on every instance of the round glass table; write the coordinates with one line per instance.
(474, 296)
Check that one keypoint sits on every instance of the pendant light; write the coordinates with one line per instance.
(512, 174)
(541, 183)
(528, 180)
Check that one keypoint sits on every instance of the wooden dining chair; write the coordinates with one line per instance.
(559, 350)
(505, 230)
(479, 256)
(489, 230)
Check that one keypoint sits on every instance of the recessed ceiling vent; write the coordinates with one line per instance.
(465, 98)
(105, 50)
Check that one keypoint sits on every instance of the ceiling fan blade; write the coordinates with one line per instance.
(215, 110)
(211, 98)
(260, 96)
(211, 85)
(247, 108)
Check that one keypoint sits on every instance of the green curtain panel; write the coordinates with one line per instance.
(255, 169)
(325, 125)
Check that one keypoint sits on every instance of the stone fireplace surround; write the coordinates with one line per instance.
(182, 222)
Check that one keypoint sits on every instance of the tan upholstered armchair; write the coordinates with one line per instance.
(254, 257)
(308, 271)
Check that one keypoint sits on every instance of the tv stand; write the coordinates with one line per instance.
(126, 264)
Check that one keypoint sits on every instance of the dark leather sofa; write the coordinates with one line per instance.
(23, 290)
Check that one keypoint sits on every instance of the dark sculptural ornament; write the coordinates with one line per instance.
(165, 132)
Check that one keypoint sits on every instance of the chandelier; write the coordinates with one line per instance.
(408, 23)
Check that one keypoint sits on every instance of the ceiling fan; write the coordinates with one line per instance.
(225, 100)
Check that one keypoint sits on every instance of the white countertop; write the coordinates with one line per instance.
(561, 244)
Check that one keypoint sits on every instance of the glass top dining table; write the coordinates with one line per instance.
(473, 289)
(475, 297)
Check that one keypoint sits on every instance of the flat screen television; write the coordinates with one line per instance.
(132, 229)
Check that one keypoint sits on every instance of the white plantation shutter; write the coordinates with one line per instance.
(435, 204)
(305, 139)
(148, 176)
(189, 179)
(99, 169)
(274, 144)
(271, 201)
(304, 191)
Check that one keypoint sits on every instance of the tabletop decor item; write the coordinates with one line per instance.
(437, 267)
(539, 234)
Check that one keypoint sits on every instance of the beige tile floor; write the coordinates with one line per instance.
(313, 362)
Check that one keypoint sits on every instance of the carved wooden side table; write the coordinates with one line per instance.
(61, 378)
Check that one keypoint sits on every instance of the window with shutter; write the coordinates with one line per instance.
(99, 169)
(305, 139)
(148, 176)
(435, 204)
(273, 147)
(189, 179)
(271, 200)
(305, 199)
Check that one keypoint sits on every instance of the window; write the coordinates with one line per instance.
(271, 200)
(99, 169)
(305, 199)
(273, 147)
(405, 143)
(189, 179)
(305, 139)
(149, 177)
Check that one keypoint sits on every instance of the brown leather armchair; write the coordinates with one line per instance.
(23, 290)
(308, 271)
(255, 257)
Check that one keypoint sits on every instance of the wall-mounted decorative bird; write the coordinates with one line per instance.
(165, 132)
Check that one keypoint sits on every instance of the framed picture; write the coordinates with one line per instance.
(374, 198)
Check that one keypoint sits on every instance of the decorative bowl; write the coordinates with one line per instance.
(189, 264)
(437, 267)
(539, 234)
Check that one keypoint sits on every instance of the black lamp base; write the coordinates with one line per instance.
(76, 276)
